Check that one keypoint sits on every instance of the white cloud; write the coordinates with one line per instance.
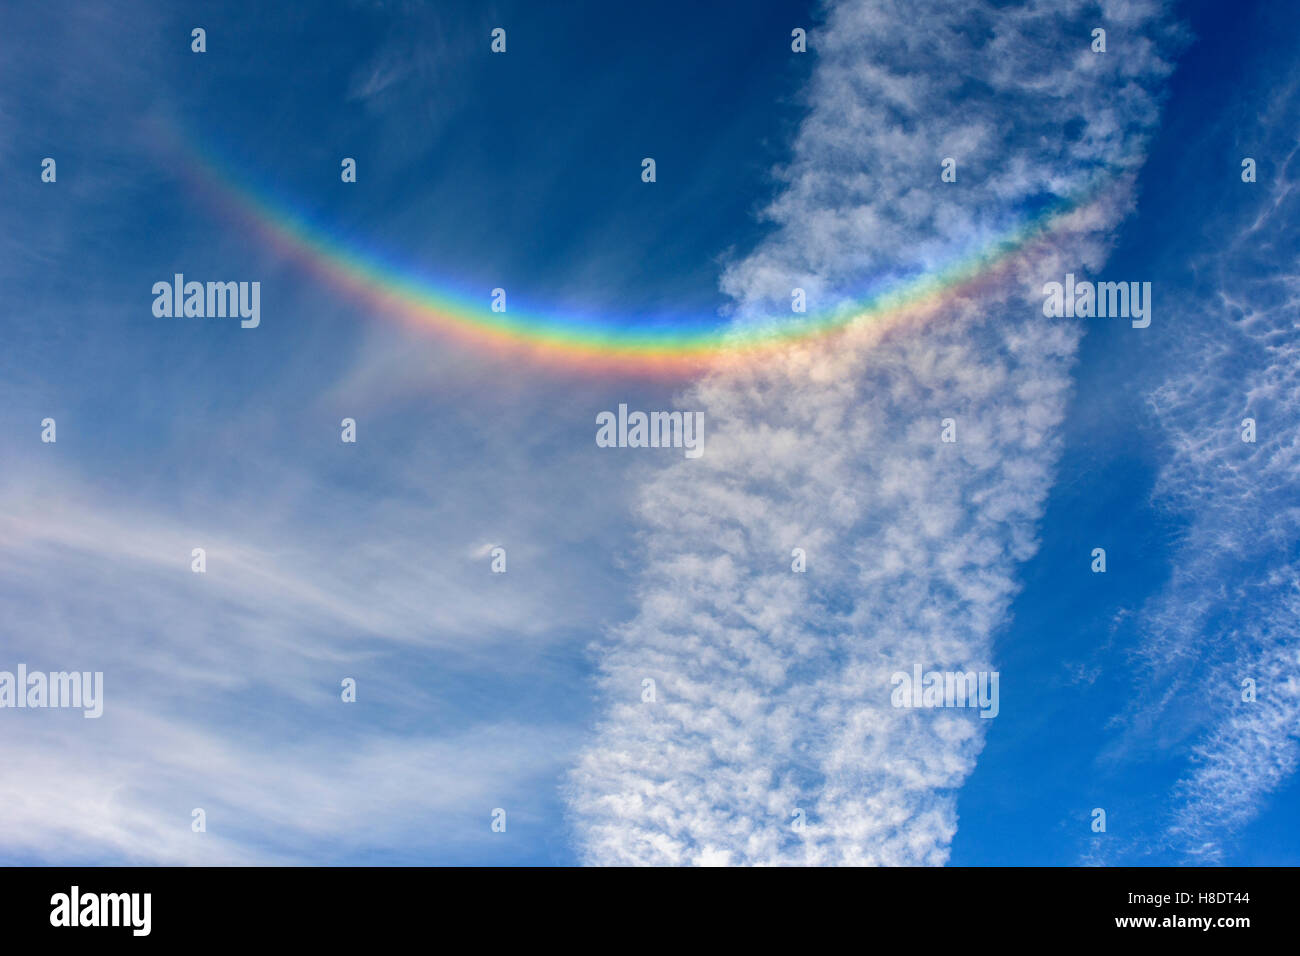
(222, 690)
(268, 799)
(1231, 606)
(773, 688)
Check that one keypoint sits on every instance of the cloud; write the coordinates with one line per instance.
(1232, 604)
(222, 690)
(266, 799)
(772, 689)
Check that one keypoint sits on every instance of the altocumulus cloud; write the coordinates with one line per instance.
(772, 689)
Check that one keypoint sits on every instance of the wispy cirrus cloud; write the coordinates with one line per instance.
(222, 689)
(267, 797)
(1231, 609)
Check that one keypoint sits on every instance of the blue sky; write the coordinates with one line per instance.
(523, 690)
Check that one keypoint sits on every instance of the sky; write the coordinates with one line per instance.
(648, 679)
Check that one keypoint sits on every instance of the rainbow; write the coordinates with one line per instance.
(677, 347)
